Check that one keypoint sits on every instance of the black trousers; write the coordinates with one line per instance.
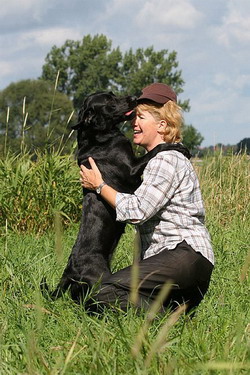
(186, 270)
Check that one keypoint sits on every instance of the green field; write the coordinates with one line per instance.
(43, 337)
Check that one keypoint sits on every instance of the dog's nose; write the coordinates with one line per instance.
(134, 100)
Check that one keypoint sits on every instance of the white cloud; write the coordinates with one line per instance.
(13, 9)
(238, 82)
(120, 6)
(49, 36)
(15, 44)
(221, 111)
(24, 52)
(211, 38)
(235, 26)
(170, 13)
(14, 72)
(6, 68)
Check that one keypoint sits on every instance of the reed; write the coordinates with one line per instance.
(32, 191)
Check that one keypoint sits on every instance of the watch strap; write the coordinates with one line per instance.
(99, 188)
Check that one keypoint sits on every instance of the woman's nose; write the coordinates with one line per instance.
(135, 121)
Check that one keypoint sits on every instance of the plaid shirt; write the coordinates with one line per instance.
(167, 207)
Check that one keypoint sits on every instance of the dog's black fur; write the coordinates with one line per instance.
(99, 137)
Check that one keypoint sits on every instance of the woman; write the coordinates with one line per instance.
(167, 209)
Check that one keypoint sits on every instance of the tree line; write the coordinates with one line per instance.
(242, 147)
(38, 113)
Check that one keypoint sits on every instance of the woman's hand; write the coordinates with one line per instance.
(90, 178)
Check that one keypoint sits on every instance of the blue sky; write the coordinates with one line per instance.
(211, 38)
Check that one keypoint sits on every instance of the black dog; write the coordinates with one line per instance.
(99, 137)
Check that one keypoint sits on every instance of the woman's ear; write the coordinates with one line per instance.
(162, 124)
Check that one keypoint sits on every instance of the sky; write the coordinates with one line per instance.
(211, 38)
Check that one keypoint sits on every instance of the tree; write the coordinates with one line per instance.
(38, 115)
(244, 146)
(191, 138)
(85, 66)
(92, 65)
(144, 67)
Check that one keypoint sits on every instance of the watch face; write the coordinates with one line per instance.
(99, 188)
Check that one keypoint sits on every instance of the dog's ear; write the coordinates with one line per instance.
(85, 117)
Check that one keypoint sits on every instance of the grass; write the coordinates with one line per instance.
(42, 337)
(32, 191)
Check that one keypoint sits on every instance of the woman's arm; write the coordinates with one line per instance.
(158, 186)
(160, 180)
(92, 178)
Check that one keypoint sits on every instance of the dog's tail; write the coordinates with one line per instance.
(58, 292)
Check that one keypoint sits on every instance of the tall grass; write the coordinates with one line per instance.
(44, 337)
(32, 191)
(225, 186)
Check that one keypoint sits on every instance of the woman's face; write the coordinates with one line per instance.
(146, 130)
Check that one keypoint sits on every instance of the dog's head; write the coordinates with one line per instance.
(102, 111)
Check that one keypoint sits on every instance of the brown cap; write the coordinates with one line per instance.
(159, 93)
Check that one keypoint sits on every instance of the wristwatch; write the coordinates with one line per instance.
(99, 188)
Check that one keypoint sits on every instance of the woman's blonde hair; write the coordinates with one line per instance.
(171, 113)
